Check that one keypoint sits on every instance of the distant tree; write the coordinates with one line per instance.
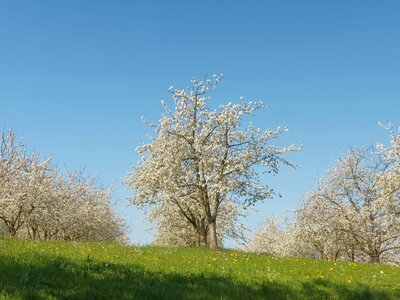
(357, 191)
(76, 209)
(316, 228)
(269, 238)
(354, 213)
(37, 201)
(22, 180)
(202, 158)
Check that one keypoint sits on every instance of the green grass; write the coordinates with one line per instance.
(65, 270)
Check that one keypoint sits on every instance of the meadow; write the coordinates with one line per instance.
(71, 270)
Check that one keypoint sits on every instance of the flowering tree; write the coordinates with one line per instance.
(391, 187)
(316, 229)
(353, 214)
(203, 158)
(357, 190)
(22, 180)
(76, 209)
(268, 239)
(37, 201)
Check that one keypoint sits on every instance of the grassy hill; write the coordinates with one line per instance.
(54, 270)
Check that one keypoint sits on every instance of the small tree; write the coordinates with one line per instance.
(37, 201)
(201, 158)
(268, 239)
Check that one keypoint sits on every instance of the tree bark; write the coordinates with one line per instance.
(213, 234)
(374, 258)
(12, 231)
(202, 238)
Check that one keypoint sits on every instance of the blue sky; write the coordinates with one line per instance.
(76, 76)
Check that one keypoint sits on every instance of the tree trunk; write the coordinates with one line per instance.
(198, 239)
(353, 251)
(374, 258)
(12, 231)
(205, 238)
(202, 238)
(337, 255)
(213, 235)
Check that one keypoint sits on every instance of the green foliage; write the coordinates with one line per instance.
(68, 270)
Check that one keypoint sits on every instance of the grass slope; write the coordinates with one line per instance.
(65, 270)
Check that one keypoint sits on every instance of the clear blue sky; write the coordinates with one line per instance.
(76, 76)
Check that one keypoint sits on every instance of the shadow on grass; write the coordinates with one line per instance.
(61, 278)
(320, 289)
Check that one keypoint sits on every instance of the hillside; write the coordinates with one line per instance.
(54, 270)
